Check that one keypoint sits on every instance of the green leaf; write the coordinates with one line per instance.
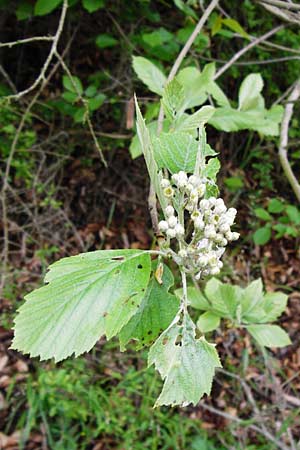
(224, 298)
(235, 26)
(208, 321)
(249, 92)
(212, 168)
(80, 115)
(263, 214)
(262, 236)
(24, 10)
(275, 206)
(216, 25)
(173, 98)
(73, 85)
(157, 37)
(269, 335)
(217, 94)
(106, 41)
(197, 120)
(196, 84)
(175, 151)
(95, 102)
(186, 364)
(70, 97)
(93, 5)
(146, 144)
(87, 295)
(274, 305)
(293, 214)
(43, 7)
(156, 311)
(135, 146)
(149, 74)
(252, 301)
(183, 6)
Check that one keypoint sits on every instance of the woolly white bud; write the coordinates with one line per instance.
(195, 215)
(203, 243)
(194, 196)
(199, 224)
(229, 236)
(182, 179)
(202, 260)
(179, 230)
(201, 190)
(235, 236)
(163, 225)
(204, 204)
(214, 270)
(220, 264)
(219, 202)
(194, 180)
(171, 233)
(224, 228)
(183, 253)
(169, 211)
(172, 221)
(210, 232)
(212, 201)
(232, 212)
(220, 209)
(165, 183)
(175, 177)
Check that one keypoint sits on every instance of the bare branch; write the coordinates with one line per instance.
(285, 5)
(246, 49)
(50, 56)
(26, 41)
(284, 137)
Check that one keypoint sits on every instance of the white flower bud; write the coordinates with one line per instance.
(169, 211)
(212, 201)
(165, 183)
(210, 232)
(220, 264)
(194, 196)
(199, 224)
(201, 190)
(175, 177)
(171, 233)
(229, 236)
(204, 204)
(172, 221)
(214, 270)
(163, 225)
(168, 192)
(223, 243)
(232, 212)
(182, 179)
(203, 243)
(189, 187)
(194, 180)
(219, 238)
(195, 215)
(219, 202)
(220, 209)
(235, 236)
(179, 230)
(224, 228)
(202, 260)
(183, 253)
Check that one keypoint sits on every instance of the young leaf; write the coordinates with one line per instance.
(208, 321)
(149, 74)
(196, 84)
(135, 146)
(224, 298)
(217, 94)
(234, 25)
(106, 41)
(156, 311)
(212, 168)
(262, 235)
(93, 5)
(73, 85)
(252, 301)
(176, 151)
(186, 364)
(274, 304)
(173, 99)
(195, 297)
(249, 92)
(43, 7)
(263, 214)
(275, 206)
(269, 335)
(197, 120)
(145, 141)
(87, 295)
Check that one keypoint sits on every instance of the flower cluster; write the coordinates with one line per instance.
(208, 223)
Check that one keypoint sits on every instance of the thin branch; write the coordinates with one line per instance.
(284, 137)
(257, 62)
(246, 49)
(50, 56)
(26, 41)
(282, 4)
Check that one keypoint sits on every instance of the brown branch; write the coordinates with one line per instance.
(284, 137)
